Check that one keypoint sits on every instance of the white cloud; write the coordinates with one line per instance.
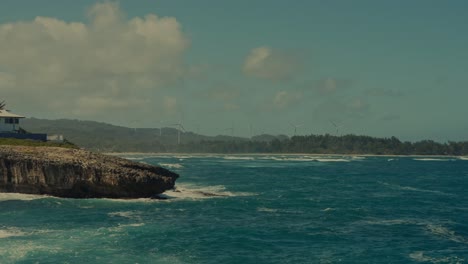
(285, 99)
(108, 63)
(269, 64)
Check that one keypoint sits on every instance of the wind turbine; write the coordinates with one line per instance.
(180, 127)
(160, 128)
(295, 127)
(337, 127)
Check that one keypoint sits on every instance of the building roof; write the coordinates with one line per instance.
(6, 114)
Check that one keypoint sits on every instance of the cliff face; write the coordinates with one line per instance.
(78, 174)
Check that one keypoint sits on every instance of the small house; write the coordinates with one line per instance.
(9, 127)
(9, 122)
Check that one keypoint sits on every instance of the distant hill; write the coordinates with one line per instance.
(106, 137)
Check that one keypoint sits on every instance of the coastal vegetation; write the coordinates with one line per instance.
(109, 138)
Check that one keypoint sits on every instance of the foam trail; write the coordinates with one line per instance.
(193, 192)
(238, 158)
(419, 256)
(171, 165)
(21, 196)
(10, 232)
(408, 188)
(431, 159)
(446, 233)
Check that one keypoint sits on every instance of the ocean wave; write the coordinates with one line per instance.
(194, 192)
(446, 233)
(21, 196)
(126, 214)
(463, 158)
(390, 222)
(420, 256)
(171, 165)
(267, 210)
(432, 159)
(333, 160)
(17, 252)
(10, 232)
(238, 158)
(409, 188)
(309, 158)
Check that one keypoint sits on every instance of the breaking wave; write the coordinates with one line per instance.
(409, 188)
(194, 192)
(21, 196)
(171, 165)
(432, 159)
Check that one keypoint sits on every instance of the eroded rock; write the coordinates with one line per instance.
(77, 173)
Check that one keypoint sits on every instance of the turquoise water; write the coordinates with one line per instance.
(257, 209)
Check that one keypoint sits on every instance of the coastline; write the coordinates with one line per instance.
(275, 154)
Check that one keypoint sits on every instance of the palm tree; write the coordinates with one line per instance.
(2, 105)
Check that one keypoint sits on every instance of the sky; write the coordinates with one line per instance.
(378, 68)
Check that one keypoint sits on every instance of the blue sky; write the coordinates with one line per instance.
(380, 68)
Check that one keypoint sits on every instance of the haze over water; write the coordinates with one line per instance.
(257, 209)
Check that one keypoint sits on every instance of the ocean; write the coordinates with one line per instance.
(256, 209)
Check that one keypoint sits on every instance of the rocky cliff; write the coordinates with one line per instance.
(77, 173)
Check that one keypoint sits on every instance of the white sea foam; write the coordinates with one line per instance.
(267, 210)
(446, 233)
(333, 160)
(409, 188)
(238, 158)
(20, 196)
(10, 232)
(419, 256)
(194, 192)
(328, 209)
(463, 158)
(390, 222)
(16, 252)
(171, 165)
(432, 159)
(126, 214)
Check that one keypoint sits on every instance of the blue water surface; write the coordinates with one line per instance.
(257, 209)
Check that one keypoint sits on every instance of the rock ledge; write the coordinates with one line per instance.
(77, 173)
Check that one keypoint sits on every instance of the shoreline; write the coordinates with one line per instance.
(275, 154)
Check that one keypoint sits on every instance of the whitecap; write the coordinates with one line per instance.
(328, 209)
(390, 222)
(446, 233)
(267, 210)
(238, 158)
(419, 256)
(20, 196)
(171, 165)
(194, 192)
(10, 232)
(126, 214)
(431, 159)
(409, 188)
(333, 160)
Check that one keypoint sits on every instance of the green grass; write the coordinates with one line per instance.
(35, 143)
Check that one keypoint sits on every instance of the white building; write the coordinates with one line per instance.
(9, 122)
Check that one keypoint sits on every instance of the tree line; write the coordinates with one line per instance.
(327, 144)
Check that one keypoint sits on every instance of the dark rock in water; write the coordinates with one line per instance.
(77, 173)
